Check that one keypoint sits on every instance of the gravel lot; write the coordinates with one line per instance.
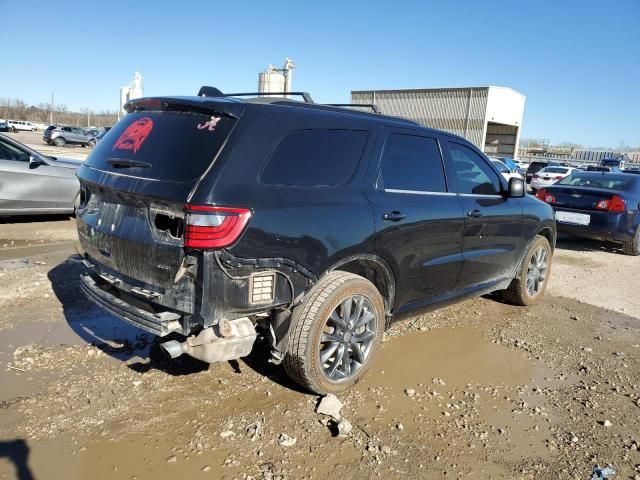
(34, 140)
(477, 390)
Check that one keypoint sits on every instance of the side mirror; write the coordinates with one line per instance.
(517, 188)
(35, 162)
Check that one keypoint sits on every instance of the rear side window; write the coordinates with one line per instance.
(412, 164)
(161, 145)
(315, 158)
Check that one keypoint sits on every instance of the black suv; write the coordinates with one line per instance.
(204, 217)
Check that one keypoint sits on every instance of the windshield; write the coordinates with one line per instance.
(608, 182)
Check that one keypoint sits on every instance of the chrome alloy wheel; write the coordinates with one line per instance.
(347, 338)
(537, 271)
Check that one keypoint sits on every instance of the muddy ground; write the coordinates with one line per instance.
(477, 390)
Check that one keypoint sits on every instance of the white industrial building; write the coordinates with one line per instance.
(489, 117)
(131, 91)
(276, 80)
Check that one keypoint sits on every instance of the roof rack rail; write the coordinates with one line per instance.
(372, 106)
(206, 91)
(305, 95)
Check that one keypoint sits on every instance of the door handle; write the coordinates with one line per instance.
(394, 216)
(474, 213)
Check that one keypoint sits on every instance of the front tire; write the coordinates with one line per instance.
(632, 247)
(530, 282)
(59, 141)
(337, 330)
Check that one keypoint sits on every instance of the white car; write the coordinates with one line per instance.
(16, 125)
(549, 175)
(504, 170)
(522, 164)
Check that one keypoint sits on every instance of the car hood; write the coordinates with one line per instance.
(66, 162)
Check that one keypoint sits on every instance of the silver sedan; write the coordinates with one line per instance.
(32, 183)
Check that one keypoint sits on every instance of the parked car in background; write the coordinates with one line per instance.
(21, 126)
(536, 166)
(600, 206)
(506, 172)
(522, 164)
(63, 135)
(4, 126)
(597, 168)
(613, 164)
(320, 224)
(548, 176)
(92, 131)
(32, 183)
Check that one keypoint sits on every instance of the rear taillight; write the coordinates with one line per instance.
(535, 175)
(615, 204)
(214, 227)
(545, 197)
(559, 177)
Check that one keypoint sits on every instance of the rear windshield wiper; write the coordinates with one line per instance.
(125, 163)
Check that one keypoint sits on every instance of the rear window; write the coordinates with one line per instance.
(608, 182)
(315, 158)
(164, 145)
(555, 170)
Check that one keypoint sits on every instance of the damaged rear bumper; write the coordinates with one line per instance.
(161, 323)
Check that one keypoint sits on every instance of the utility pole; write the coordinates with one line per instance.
(88, 117)
(51, 111)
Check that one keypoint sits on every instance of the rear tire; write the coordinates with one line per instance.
(531, 279)
(59, 141)
(632, 247)
(337, 330)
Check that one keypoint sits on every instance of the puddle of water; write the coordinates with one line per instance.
(135, 456)
(481, 381)
(25, 250)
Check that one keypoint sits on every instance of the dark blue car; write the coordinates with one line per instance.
(598, 205)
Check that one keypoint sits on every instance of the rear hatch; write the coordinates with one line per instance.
(135, 183)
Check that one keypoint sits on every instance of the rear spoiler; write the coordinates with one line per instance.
(206, 105)
(206, 91)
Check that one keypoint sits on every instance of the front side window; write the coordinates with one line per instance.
(412, 164)
(473, 175)
(315, 158)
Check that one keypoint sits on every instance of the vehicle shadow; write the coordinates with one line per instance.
(258, 361)
(35, 218)
(17, 451)
(586, 245)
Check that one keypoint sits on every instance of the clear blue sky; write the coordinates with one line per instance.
(578, 62)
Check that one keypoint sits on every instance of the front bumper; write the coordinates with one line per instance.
(611, 227)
